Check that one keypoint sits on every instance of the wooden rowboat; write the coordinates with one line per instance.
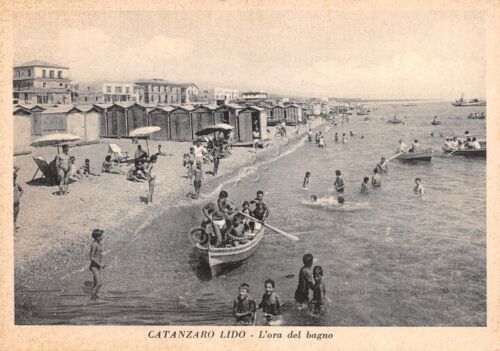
(423, 155)
(217, 257)
(395, 121)
(467, 152)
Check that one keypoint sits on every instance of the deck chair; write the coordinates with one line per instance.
(49, 170)
(118, 154)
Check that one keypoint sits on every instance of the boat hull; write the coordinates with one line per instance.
(465, 104)
(420, 156)
(218, 257)
(436, 123)
(466, 152)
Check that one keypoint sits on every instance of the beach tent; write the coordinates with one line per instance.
(248, 119)
(22, 119)
(158, 117)
(180, 123)
(228, 114)
(84, 121)
(202, 117)
(293, 114)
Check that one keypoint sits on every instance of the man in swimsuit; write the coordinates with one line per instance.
(96, 261)
(62, 164)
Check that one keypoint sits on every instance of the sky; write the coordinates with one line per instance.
(376, 55)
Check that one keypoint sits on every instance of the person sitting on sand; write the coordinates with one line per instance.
(306, 179)
(383, 165)
(109, 166)
(87, 170)
(74, 173)
(140, 155)
(132, 175)
(160, 152)
(418, 189)
(376, 179)
(364, 185)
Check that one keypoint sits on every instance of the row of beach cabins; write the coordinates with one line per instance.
(117, 120)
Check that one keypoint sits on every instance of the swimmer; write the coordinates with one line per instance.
(418, 189)
(314, 198)
(306, 180)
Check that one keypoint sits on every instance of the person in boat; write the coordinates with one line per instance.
(475, 144)
(270, 303)
(305, 282)
(364, 185)
(339, 182)
(415, 147)
(402, 146)
(246, 210)
(418, 189)
(244, 306)
(383, 165)
(236, 235)
(466, 134)
(448, 143)
(306, 179)
(207, 211)
(376, 179)
(261, 210)
(225, 205)
(468, 143)
(454, 143)
(219, 227)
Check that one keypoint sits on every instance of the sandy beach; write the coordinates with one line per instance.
(54, 231)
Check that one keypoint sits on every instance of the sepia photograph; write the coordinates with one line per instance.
(297, 166)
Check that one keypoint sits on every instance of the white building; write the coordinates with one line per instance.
(224, 94)
(115, 92)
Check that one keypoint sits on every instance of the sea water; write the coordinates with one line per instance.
(389, 258)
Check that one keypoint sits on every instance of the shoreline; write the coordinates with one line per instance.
(51, 253)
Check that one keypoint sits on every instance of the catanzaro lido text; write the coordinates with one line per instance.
(236, 334)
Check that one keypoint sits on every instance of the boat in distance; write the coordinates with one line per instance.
(423, 155)
(473, 102)
(217, 257)
(466, 152)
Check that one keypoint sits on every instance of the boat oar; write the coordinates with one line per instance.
(279, 231)
(402, 152)
(451, 153)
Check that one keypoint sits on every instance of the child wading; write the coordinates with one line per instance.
(96, 261)
(306, 179)
(418, 189)
(319, 291)
(305, 282)
(339, 182)
(270, 304)
(244, 306)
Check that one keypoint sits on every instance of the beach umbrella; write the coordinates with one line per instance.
(145, 132)
(221, 127)
(54, 139)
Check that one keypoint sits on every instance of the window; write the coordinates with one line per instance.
(44, 74)
(59, 74)
(108, 89)
(29, 73)
(51, 74)
(127, 90)
(44, 84)
(118, 90)
(60, 84)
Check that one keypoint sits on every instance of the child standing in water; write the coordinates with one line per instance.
(319, 292)
(364, 185)
(339, 182)
(376, 179)
(96, 261)
(306, 180)
(244, 306)
(270, 303)
(305, 282)
(418, 189)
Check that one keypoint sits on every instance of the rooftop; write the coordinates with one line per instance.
(40, 63)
